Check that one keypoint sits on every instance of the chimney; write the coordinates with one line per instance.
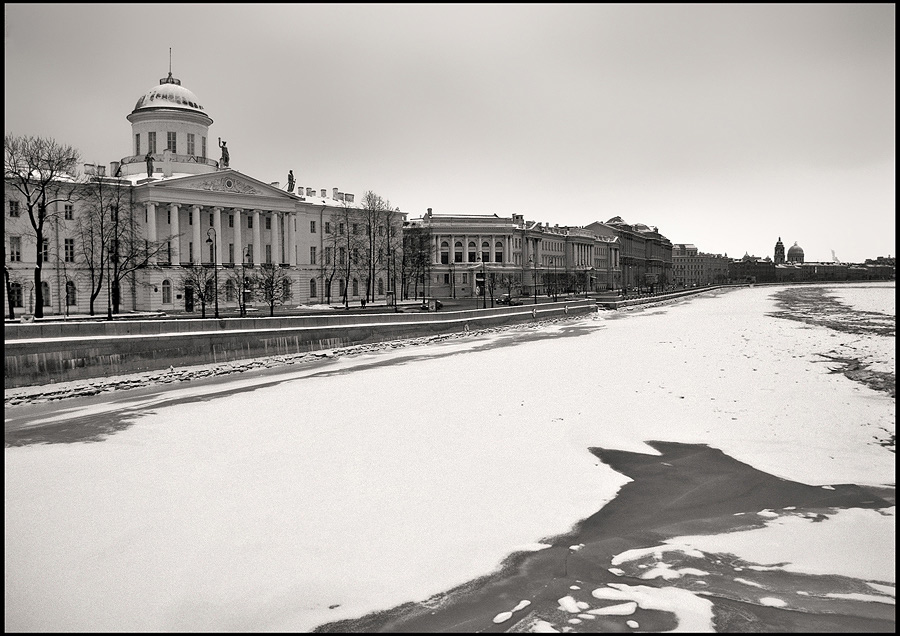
(324, 191)
(429, 211)
(334, 193)
(340, 196)
(113, 167)
(101, 170)
(310, 192)
(89, 168)
(348, 198)
(275, 184)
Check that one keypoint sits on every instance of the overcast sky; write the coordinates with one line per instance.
(725, 126)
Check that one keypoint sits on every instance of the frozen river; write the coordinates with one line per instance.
(283, 502)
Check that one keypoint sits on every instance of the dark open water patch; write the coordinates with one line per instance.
(687, 489)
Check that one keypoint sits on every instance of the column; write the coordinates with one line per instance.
(217, 226)
(198, 246)
(151, 228)
(292, 239)
(257, 244)
(276, 238)
(176, 234)
(238, 241)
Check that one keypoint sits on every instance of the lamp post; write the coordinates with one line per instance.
(533, 267)
(452, 280)
(212, 242)
(483, 284)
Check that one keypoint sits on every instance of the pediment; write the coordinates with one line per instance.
(227, 181)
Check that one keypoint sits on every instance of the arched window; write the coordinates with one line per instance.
(45, 292)
(458, 252)
(167, 292)
(485, 252)
(380, 287)
(71, 299)
(15, 292)
(445, 252)
(498, 252)
(229, 291)
(472, 255)
(312, 287)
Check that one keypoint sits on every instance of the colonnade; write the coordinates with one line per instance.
(281, 236)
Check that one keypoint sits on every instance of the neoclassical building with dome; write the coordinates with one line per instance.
(189, 210)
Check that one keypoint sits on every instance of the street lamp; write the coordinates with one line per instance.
(212, 242)
(483, 283)
(533, 267)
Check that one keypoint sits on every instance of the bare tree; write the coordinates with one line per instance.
(42, 171)
(272, 285)
(416, 259)
(200, 280)
(242, 279)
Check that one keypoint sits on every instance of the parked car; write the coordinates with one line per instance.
(506, 299)
(431, 304)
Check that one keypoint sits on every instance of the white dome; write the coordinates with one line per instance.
(169, 94)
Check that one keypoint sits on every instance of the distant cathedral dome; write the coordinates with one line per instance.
(795, 253)
(169, 94)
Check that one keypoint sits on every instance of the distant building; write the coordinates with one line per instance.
(751, 269)
(646, 254)
(692, 268)
(794, 254)
(779, 252)
(474, 254)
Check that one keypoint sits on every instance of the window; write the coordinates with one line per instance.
(355, 287)
(465, 278)
(498, 252)
(230, 220)
(71, 294)
(328, 251)
(45, 251)
(342, 257)
(191, 252)
(137, 144)
(445, 252)
(249, 222)
(327, 227)
(312, 227)
(485, 252)
(70, 250)
(169, 252)
(312, 255)
(203, 147)
(15, 294)
(211, 219)
(170, 141)
(286, 289)
(45, 293)
(190, 143)
(249, 253)
(151, 142)
(341, 228)
(268, 253)
(167, 292)
(231, 252)
(458, 252)
(312, 287)
(168, 217)
(472, 251)
(341, 286)
(190, 219)
(15, 248)
(380, 256)
(212, 248)
(380, 287)
(446, 279)
(229, 291)
(355, 256)
(355, 228)
(14, 208)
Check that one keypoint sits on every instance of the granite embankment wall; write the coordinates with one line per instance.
(41, 353)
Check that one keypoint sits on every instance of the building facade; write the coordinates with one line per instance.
(693, 268)
(646, 255)
(184, 210)
(471, 255)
